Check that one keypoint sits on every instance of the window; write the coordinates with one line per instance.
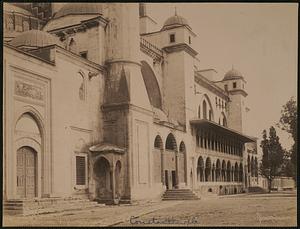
(172, 38)
(80, 170)
(190, 40)
(73, 46)
(226, 87)
(25, 25)
(9, 22)
(83, 54)
(234, 84)
(81, 87)
(204, 110)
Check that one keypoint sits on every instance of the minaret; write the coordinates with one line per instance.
(127, 113)
(147, 24)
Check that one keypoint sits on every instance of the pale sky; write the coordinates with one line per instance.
(259, 40)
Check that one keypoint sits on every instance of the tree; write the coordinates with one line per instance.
(288, 122)
(273, 154)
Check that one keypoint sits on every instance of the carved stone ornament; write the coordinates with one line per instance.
(27, 90)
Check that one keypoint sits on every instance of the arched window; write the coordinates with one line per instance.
(25, 25)
(224, 121)
(199, 112)
(171, 142)
(204, 110)
(158, 142)
(73, 46)
(81, 87)
(210, 115)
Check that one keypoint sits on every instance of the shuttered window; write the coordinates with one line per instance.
(80, 170)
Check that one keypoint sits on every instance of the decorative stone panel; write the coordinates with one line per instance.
(28, 90)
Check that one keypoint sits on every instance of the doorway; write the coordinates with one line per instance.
(173, 179)
(167, 179)
(26, 172)
(103, 176)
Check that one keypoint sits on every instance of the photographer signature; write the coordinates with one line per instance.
(170, 220)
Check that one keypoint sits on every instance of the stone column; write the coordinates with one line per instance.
(113, 181)
(177, 169)
(162, 167)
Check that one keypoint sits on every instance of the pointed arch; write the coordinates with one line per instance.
(208, 110)
(182, 162)
(223, 119)
(204, 108)
(200, 169)
(199, 111)
(171, 143)
(73, 46)
(82, 87)
(208, 168)
(158, 144)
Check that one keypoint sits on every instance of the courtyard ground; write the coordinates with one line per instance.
(275, 209)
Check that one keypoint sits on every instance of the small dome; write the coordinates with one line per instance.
(7, 7)
(79, 9)
(233, 74)
(35, 38)
(175, 21)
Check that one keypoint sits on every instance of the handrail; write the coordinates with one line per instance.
(150, 47)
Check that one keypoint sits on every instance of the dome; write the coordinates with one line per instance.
(174, 21)
(79, 9)
(233, 74)
(12, 8)
(35, 38)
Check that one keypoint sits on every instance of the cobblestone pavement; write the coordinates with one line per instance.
(275, 209)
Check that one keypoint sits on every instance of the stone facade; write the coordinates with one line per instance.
(118, 112)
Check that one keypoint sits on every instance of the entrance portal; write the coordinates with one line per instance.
(26, 172)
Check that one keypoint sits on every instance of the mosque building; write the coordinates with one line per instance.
(99, 104)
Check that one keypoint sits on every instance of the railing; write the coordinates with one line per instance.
(151, 49)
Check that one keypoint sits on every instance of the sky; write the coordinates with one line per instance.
(259, 40)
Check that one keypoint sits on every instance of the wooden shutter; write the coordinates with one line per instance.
(80, 170)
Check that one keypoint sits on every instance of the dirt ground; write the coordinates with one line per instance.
(275, 209)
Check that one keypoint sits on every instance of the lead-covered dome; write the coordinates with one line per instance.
(233, 74)
(175, 21)
(73, 14)
(79, 9)
(35, 39)
(10, 8)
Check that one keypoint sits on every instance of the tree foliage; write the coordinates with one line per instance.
(288, 122)
(273, 156)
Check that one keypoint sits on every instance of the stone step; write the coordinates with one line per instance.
(33, 207)
(173, 194)
(179, 194)
(179, 198)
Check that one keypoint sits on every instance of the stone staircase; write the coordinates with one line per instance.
(179, 194)
(47, 205)
(256, 189)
